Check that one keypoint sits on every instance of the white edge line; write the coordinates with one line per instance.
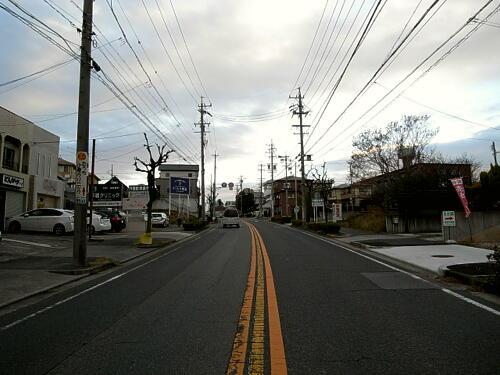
(457, 295)
(32, 315)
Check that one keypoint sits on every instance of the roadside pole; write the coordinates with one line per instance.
(300, 112)
(91, 188)
(82, 139)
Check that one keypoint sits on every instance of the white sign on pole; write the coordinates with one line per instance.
(81, 173)
(317, 202)
(449, 219)
(337, 211)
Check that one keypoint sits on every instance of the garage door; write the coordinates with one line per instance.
(14, 203)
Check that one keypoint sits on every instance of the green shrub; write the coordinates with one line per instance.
(297, 223)
(194, 225)
(281, 219)
(494, 282)
(331, 228)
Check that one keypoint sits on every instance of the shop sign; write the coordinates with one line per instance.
(14, 181)
(179, 185)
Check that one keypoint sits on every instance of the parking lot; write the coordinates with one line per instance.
(36, 244)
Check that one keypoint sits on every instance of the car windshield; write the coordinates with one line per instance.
(230, 213)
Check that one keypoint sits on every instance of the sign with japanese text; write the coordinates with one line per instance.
(337, 211)
(449, 219)
(179, 185)
(14, 181)
(81, 173)
(458, 184)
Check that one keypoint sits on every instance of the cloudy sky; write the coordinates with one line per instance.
(246, 58)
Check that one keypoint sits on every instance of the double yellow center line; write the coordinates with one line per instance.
(249, 348)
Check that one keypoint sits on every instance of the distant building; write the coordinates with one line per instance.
(28, 167)
(110, 194)
(178, 187)
(138, 198)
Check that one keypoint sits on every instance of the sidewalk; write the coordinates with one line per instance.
(426, 250)
(31, 264)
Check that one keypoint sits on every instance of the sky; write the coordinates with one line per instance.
(246, 58)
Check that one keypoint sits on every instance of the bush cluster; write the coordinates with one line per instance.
(281, 219)
(494, 282)
(194, 225)
(332, 228)
(297, 223)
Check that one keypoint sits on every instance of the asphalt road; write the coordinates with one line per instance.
(179, 311)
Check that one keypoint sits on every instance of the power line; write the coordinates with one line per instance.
(439, 60)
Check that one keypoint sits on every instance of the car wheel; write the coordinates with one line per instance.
(92, 230)
(59, 229)
(237, 225)
(14, 227)
(165, 224)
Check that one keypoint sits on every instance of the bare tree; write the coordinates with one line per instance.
(150, 169)
(323, 185)
(378, 151)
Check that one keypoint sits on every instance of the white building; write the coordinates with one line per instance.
(184, 204)
(28, 167)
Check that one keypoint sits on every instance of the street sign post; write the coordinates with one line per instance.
(449, 219)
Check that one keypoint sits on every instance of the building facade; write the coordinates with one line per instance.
(178, 187)
(28, 167)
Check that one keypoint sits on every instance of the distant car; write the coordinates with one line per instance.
(100, 223)
(54, 220)
(158, 219)
(117, 218)
(230, 218)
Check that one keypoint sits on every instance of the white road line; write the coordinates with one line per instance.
(32, 315)
(28, 242)
(457, 295)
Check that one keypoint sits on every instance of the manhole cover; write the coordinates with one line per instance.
(442, 256)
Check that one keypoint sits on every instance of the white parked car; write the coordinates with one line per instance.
(54, 220)
(158, 218)
(100, 223)
(230, 218)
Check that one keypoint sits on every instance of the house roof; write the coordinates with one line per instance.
(61, 161)
(179, 167)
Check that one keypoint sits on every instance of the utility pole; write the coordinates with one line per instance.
(295, 191)
(261, 168)
(271, 152)
(299, 111)
(215, 184)
(202, 124)
(285, 158)
(82, 139)
(91, 188)
(495, 152)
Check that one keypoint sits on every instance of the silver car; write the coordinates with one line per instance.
(230, 218)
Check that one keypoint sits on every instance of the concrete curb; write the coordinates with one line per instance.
(93, 270)
(40, 291)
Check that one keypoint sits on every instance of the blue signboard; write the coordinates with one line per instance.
(179, 185)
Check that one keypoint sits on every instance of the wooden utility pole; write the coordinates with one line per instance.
(82, 139)
(299, 111)
(261, 168)
(285, 158)
(202, 109)
(495, 152)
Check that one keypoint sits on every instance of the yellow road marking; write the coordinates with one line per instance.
(236, 363)
(253, 313)
(276, 345)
